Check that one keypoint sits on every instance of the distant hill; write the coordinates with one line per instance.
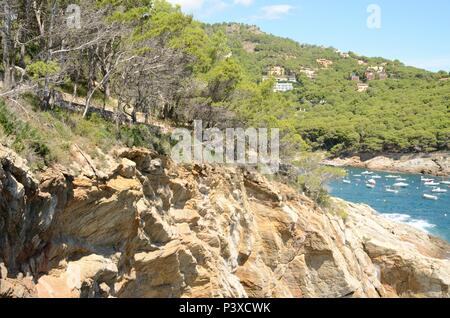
(404, 109)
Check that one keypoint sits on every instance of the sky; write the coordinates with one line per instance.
(416, 32)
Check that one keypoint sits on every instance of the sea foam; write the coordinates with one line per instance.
(407, 219)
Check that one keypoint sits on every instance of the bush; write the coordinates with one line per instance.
(313, 176)
(25, 139)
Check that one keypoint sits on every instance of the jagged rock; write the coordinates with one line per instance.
(155, 229)
(79, 278)
(17, 288)
(127, 168)
(437, 163)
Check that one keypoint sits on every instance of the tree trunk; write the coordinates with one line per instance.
(8, 48)
(47, 91)
(107, 93)
(91, 82)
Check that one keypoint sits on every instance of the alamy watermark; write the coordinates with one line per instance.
(73, 16)
(252, 147)
(374, 19)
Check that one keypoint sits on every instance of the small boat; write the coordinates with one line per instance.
(391, 190)
(401, 185)
(439, 190)
(371, 186)
(430, 197)
(371, 181)
(376, 177)
(367, 173)
(400, 179)
(392, 177)
(357, 175)
(445, 182)
(431, 184)
(426, 179)
(347, 181)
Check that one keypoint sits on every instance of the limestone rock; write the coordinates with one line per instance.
(150, 228)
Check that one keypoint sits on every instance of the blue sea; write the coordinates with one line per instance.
(407, 206)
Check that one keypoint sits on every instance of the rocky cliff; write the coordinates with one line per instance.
(437, 163)
(145, 227)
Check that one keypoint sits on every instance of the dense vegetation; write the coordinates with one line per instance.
(147, 57)
(408, 112)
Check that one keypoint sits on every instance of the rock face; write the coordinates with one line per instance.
(437, 164)
(149, 228)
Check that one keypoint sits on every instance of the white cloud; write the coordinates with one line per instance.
(244, 2)
(275, 12)
(188, 4)
(201, 8)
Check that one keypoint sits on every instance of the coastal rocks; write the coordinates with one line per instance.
(411, 262)
(150, 228)
(437, 164)
(90, 276)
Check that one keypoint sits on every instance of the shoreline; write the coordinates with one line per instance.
(385, 218)
(366, 213)
(436, 164)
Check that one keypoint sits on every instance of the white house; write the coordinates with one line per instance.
(283, 87)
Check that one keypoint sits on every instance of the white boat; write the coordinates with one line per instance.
(391, 190)
(426, 179)
(401, 185)
(347, 181)
(445, 182)
(372, 181)
(431, 184)
(392, 177)
(367, 173)
(439, 190)
(371, 186)
(357, 175)
(376, 177)
(430, 197)
(400, 179)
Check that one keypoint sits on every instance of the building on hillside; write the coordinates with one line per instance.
(283, 87)
(281, 79)
(382, 76)
(292, 78)
(370, 76)
(376, 69)
(361, 62)
(362, 87)
(311, 74)
(354, 77)
(324, 62)
(277, 71)
(345, 55)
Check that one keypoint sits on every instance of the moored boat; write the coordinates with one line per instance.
(431, 184)
(401, 185)
(439, 190)
(392, 177)
(369, 185)
(430, 197)
(391, 190)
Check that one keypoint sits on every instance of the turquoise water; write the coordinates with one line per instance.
(407, 206)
